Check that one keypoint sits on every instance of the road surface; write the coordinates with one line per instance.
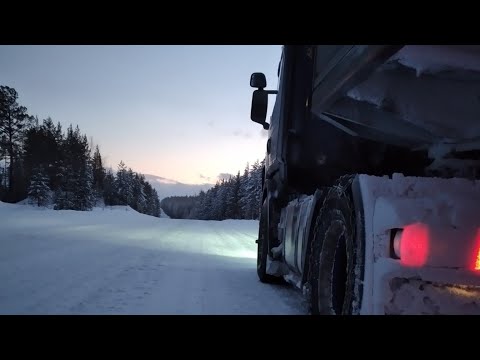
(116, 261)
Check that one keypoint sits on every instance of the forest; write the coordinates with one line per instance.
(236, 198)
(50, 166)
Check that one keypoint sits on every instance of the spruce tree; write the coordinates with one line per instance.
(39, 191)
(98, 173)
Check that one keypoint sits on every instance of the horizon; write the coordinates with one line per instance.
(181, 113)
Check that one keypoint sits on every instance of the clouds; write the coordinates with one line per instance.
(220, 177)
(204, 177)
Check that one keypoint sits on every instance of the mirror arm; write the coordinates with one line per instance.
(266, 125)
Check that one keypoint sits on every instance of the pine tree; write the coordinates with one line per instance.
(39, 191)
(156, 204)
(198, 211)
(243, 193)
(233, 198)
(206, 209)
(124, 182)
(110, 193)
(42, 150)
(64, 196)
(152, 202)
(98, 173)
(253, 192)
(219, 203)
(75, 190)
(139, 201)
(149, 199)
(14, 121)
(84, 194)
(130, 179)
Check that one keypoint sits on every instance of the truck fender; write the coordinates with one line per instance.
(319, 198)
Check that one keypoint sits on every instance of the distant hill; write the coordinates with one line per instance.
(166, 187)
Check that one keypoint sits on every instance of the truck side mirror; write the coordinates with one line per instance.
(259, 107)
(258, 80)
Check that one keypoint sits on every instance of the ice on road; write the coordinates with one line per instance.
(117, 261)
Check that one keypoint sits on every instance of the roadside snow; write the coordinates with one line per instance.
(117, 261)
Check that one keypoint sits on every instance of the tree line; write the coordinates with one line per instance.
(41, 162)
(236, 198)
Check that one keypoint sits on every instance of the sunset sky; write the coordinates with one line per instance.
(179, 112)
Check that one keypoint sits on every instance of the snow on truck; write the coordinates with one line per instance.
(371, 191)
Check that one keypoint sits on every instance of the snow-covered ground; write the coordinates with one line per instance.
(117, 261)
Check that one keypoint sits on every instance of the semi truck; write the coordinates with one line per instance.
(371, 192)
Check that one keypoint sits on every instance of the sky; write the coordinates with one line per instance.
(179, 112)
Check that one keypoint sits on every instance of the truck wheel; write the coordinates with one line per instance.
(262, 249)
(332, 275)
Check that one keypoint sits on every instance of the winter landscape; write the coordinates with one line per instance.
(77, 238)
(177, 180)
(83, 235)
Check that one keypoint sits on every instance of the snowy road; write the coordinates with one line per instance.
(121, 262)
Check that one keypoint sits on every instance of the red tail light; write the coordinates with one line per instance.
(411, 245)
(476, 252)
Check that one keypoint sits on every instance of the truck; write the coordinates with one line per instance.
(371, 193)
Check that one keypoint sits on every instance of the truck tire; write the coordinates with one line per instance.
(334, 254)
(262, 248)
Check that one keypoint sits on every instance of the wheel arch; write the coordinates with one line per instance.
(319, 197)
